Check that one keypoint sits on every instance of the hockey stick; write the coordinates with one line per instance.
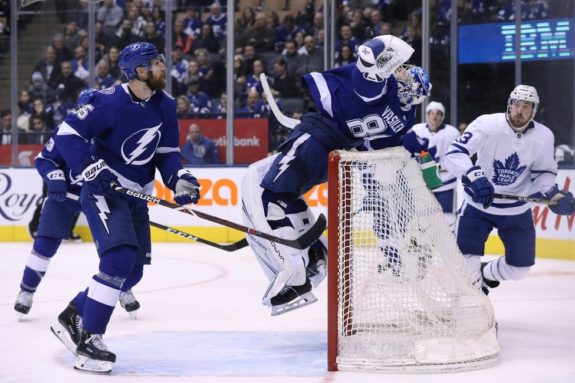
(302, 242)
(231, 247)
(282, 118)
(525, 199)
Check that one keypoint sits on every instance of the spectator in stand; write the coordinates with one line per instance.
(461, 127)
(253, 80)
(71, 35)
(180, 65)
(312, 60)
(183, 106)
(253, 107)
(6, 129)
(218, 20)
(375, 19)
(291, 57)
(386, 28)
(203, 60)
(240, 75)
(103, 78)
(45, 113)
(25, 101)
(153, 37)
(207, 40)
(23, 119)
(103, 42)
(110, 15)
(39, 89)
(80, 63)
(138, 21)
(260, 36)
(159, 20)
(69, 86)
(246, 20)
(347, 38)
(344, 56)
(124, 34)
(182, 39)
(48, 67)
(200, 101)
(60, 49)
(300, 48)
(249, 57)
(411, 37)
(39, 132)
(192, 22)
(198, 150)
(284, 84)
(193, 73)
(357, 25)
(111, 59)
(317, 25)
(215, 79)
(221, 106)
(286, 32)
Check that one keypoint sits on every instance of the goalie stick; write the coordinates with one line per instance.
(302, 242)
(282, 118)
(231, 247)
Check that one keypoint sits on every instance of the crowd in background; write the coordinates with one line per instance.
(283, 48)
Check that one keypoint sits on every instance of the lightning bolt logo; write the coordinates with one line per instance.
(142, 145)
(103, 210)
(290, 155)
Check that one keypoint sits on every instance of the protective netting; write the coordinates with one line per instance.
(406, 300)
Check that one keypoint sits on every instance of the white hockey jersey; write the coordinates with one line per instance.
(441, 139)
(515, 163)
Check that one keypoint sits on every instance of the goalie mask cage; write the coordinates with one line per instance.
(400, 296)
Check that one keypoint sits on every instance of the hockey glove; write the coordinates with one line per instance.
(98, 178)
(476, 184)
(562, 203)
(185, 186)
(57, 185)
(415, 144)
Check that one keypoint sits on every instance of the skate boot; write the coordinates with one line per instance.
(292, 297)
(487, 283)
(23, 302)
(129, 303)
(92, 355)
(69, 327)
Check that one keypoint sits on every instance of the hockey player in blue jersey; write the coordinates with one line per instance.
(514, 156)
(60, 210)
(121, 136)
(357, 106)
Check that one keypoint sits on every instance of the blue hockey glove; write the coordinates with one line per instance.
(415, 144)
(98, 177)
(185, 186)
(478, 186)
(563, 202)
(57, 187)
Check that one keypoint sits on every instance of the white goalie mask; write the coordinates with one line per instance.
(378, 58)
(523, 93)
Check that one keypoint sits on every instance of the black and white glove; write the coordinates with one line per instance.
(57, 186)
(185, 186)
(562, 202)
(98, 177)
(477, 185)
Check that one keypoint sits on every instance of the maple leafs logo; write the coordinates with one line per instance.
(506, 174)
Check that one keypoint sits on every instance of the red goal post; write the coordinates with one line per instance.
(400, 297)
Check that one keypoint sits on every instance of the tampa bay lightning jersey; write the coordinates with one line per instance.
(50, 159)
(515, 163)
(440, 139)
(125, 132)
(380, 124)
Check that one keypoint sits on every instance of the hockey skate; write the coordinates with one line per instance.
(487, 284)
(23, 302)
(92, 355)
(129, 303)
(69, 327)
(292, 297)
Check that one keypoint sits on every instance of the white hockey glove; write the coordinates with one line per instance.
(413, 84)
(378, 58)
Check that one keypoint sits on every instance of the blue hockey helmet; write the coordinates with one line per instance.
(84, 96)
(136, 55)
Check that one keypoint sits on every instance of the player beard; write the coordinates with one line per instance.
(156, 83)
(517, 121)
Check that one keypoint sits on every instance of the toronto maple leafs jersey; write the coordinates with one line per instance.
(50, 159)
(381, 124)
(515, 163)
(440, 140)
(131, 135)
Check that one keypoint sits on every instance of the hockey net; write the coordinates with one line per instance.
(400, 295)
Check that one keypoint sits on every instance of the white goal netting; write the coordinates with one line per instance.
(405, 297)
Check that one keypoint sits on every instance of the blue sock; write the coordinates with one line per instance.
(38, 261)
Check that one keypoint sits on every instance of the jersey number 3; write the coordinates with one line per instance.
(464, 139)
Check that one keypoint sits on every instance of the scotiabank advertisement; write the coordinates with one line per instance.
(20, 193)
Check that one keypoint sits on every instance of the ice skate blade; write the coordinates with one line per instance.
(133, 314)
(85, 364)
(60, 332)
(303, 300)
